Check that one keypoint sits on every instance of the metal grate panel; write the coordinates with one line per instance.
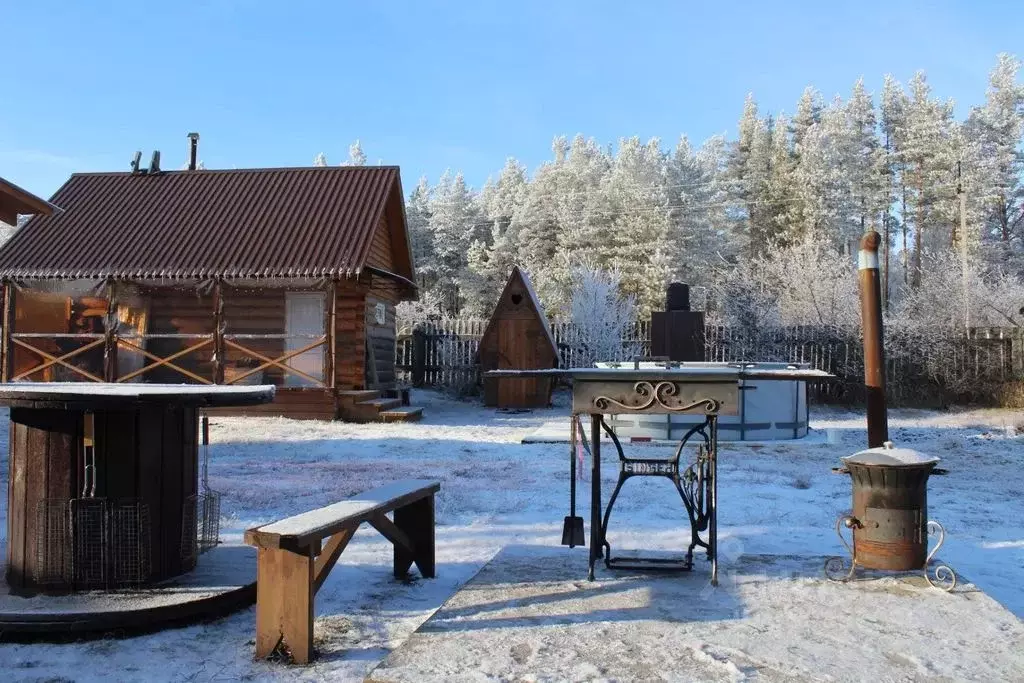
(53, 554)
(130, 543)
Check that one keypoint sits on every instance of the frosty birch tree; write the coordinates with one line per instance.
(601, 314)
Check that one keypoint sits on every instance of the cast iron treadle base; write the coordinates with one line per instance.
(694, 485)
(650, 564)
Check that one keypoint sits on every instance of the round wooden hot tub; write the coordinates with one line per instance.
(135, 519)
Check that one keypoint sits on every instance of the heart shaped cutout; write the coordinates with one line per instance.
(517, 299)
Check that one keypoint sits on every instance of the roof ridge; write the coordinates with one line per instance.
(259, 169)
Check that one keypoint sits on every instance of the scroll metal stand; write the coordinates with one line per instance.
(697, 485)
(940, 576)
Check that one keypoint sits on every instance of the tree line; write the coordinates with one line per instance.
(787, 188)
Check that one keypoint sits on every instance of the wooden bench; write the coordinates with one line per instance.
(293, 559)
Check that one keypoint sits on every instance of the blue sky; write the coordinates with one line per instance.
(436, 85)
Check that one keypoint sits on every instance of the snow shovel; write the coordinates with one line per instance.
(572, 527)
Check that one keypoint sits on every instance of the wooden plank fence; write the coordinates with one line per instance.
(920, 369)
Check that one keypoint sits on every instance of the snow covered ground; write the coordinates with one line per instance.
(778, 499)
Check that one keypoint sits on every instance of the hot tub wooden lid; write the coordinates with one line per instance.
(85, 395)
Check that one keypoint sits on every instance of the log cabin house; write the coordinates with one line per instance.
(284, 276)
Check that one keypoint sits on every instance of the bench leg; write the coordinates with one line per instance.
(284, 603)
(417, 521)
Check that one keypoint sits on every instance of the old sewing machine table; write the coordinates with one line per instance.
(708, 389)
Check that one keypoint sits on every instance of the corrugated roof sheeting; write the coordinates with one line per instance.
(248, 223)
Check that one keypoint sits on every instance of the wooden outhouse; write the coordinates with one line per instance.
(284, 276)
(518, 337)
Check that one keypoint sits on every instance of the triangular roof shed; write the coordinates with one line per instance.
(518, 337)
(519, 285)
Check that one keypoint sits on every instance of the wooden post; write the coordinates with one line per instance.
(218, 333)
(7, 322)
(332, 310)
(419, 356)
(110, 336)
(416, 520)
(284, 603)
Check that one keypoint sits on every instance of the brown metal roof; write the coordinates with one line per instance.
(14, 201)
(246, 223)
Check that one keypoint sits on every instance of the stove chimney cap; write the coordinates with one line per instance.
(193, 150)
(677, 297)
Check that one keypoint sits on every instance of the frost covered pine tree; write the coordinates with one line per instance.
(782, 213)
(453, 223)
(697, 191)
(417, 216)
(748, 168)
(893, 110)
(808, 113)
(320, 160)
(864, 161)
(492, 256)
(637, 233)
(996, 157)
(930, 167)
(356, 157)
(562, 217)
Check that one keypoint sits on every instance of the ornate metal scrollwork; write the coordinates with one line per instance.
(660, 394)
(944, 576)
(839, 568)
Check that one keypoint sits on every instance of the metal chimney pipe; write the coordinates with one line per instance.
(193, 150)
(874, 347)
(677, 297)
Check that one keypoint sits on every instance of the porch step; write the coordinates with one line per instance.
(404, 414)
(358, 395)
(381, 404)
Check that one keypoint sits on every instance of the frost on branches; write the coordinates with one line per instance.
(601, 316)
(808, 283)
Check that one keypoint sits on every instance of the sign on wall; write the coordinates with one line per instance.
(380, 314)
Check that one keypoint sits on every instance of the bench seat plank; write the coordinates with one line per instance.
(308, 528)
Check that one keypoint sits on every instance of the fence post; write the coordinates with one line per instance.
(419, 356)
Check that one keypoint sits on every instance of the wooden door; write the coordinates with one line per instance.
(515, 352)
(304, 323)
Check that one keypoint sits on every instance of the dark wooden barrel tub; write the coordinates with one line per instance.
(146, 452)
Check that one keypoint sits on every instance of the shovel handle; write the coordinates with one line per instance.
(572, 469)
